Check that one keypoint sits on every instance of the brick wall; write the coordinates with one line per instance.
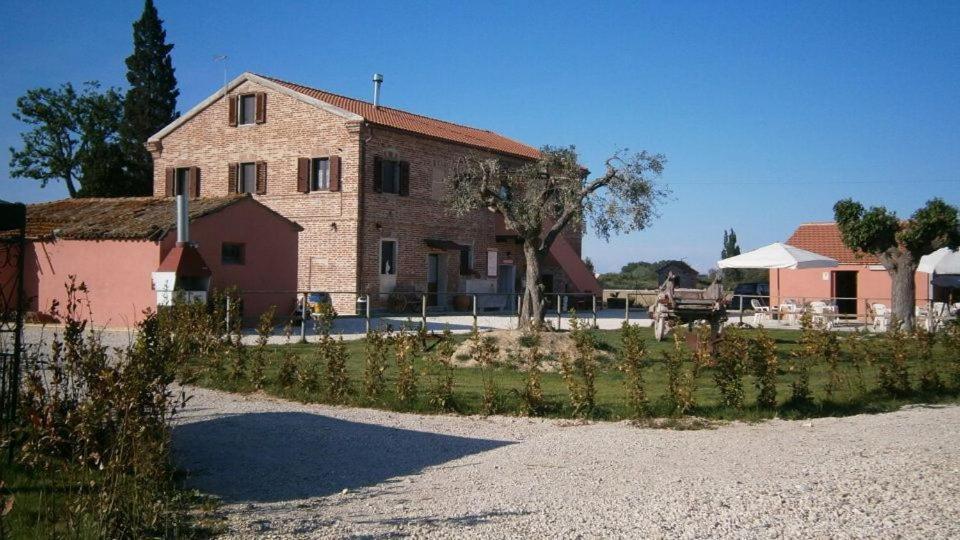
(293, 129)
(422, 215)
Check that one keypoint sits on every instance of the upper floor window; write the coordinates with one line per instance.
(391, 176)
(182, 181)
(319, 174)
(247, 183)
(248, 109)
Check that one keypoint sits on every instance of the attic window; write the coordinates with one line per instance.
(248, 109)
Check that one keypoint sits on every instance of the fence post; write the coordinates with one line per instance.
(367, 314)
(303, 319)
(559, 319)
(474, 308)
(228, 314)
(594, 298)
(423, 311)
(519, 305)
(626, 308)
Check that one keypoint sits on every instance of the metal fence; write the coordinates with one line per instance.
(359, 312)
(855, 312)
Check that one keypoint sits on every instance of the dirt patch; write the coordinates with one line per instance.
(513, 349)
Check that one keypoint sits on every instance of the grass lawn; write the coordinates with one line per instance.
(611, 396)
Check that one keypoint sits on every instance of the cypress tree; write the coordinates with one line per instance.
(151, 101)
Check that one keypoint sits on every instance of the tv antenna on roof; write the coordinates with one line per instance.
(222, 58)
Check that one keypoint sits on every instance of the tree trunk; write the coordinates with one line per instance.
(71, 189)
(903, 291)
(531, 310)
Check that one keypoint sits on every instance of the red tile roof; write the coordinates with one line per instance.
(824, 238)
(422, 125)
(120, 218)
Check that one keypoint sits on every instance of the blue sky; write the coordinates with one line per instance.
(768, 112)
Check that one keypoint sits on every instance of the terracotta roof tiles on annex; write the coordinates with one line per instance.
(825, 239)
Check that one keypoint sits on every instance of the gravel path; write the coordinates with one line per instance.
(288, 469)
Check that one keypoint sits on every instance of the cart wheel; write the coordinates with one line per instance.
(660, 328)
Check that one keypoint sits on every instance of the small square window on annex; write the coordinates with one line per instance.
(232, 253)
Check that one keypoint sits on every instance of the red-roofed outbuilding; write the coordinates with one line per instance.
(858, 282)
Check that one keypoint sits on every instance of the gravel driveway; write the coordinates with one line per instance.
(288, 469)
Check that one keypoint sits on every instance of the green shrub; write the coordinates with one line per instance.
(924, 342)
(680, 380)
(764, 359)
(892, 373)
(579, 370)
(731, 358)
(264, 329)
(530, 397)
(404, 345)
(376, 349)
(106, 421)
(633, 360)
(802, 358)
(440, 368)
(334, 359)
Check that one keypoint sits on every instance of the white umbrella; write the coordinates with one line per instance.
(941, 261)
(778, 255)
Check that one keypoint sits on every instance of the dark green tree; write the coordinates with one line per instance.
(730, 249)
(899, 244)
(73, 137)
(151, 101)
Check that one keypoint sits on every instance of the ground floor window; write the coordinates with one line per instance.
(466, 260)
(388, 257)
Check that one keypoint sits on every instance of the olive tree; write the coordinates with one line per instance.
(539, 199)
(899, 244)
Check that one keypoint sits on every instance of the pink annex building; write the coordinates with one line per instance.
(113, 246)
(366, 184)
(859, 275)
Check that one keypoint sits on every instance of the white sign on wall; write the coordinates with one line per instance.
(491, 262)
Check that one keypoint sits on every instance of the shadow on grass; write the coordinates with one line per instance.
(272, 457)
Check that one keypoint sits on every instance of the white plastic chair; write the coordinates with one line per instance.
(790, 311)
(823, 314)
(760, 312)
(881, 317)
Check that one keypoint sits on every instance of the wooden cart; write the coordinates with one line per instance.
(686, 306)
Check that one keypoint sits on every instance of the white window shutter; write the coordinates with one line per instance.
(492, 263)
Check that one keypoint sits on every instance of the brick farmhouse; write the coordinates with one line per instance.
(365, 183)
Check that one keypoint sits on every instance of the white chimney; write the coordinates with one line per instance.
(377, 81)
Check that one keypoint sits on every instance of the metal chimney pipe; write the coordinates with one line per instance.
(377, 81)
(183, 220)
